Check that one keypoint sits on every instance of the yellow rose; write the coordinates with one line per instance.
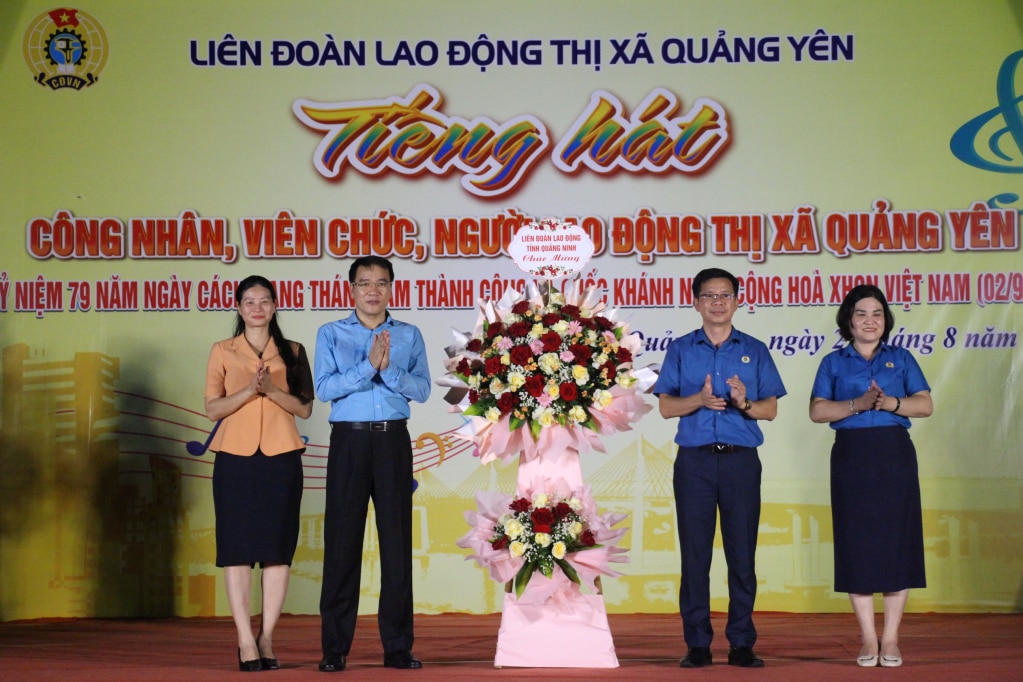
(558, 551)
(517, 549)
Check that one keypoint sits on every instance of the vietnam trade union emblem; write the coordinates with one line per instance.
(65, 48)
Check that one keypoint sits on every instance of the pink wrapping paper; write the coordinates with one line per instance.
(534, 636)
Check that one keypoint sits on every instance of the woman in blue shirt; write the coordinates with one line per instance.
(867, 391)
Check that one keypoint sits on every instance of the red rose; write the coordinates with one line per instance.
(462, 367)
(495, 328)
(542, 515)
(474, 345)
(561, 510)
(569, 391)
(519, 329)
(474, 395)
(493, 365)
(542, 519)
(603, 323)
(551, 341)
(624, 354)
(587, 539)
(500, 543)
(551, 319)
(582, 353)
(520, 505)
(570, 311)
(521, 355)
(507, 402)
(534, 385)
(521, 308)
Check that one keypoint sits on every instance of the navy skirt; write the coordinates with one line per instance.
(875, 511)
(257, 501)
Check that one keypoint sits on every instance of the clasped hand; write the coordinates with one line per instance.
(872, 399)
(380, 351)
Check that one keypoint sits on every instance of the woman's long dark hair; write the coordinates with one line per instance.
(283, 345)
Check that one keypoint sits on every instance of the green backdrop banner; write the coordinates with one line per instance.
(154, 154)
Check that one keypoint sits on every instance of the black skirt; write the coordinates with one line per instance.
(257, 501)
(875, 511)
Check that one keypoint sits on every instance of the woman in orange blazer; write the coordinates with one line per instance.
(257, 383)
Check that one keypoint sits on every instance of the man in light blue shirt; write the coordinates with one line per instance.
(368, 366)
(718, 382)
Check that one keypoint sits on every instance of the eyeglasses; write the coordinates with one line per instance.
(365, 285)
(715, 297)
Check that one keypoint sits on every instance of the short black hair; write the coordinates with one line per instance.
(843, 318)
(371, 262)
(713, 273)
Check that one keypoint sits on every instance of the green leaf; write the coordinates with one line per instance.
(569, 572)
(475, 410)
(522, 578)
(514, 423)
(534, 428)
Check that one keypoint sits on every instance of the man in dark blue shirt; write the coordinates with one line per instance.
(718, 382)
(368, 366)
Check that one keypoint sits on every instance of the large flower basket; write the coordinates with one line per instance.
(541, 377)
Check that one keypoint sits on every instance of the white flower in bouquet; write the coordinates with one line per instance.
(513, 528)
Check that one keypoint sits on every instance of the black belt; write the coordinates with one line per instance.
(722, 448)
(390, 425)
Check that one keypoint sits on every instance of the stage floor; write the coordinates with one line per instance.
(818, 647)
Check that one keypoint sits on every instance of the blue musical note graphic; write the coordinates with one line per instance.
(966, 143)
(198, 449)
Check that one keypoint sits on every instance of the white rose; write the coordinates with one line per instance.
(545, 416)
(601, 398)
(541, 500)
(625, 379)
(493, 415)
(537, 330)
(575, 529)
(577, 414)
(517, 549)
(558, 551)
(542, 539)
(561, 326)
(580, 374)
(549, 363)
(516, 380)
(513, 528)
(576, 504)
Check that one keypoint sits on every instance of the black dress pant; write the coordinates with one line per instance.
(364, 465)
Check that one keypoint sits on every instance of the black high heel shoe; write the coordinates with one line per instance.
(269, 663)
(252, 666)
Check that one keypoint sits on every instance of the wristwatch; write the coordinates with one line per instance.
(748, 406)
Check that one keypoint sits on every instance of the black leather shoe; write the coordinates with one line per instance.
(253, 666)
(402, 660)
(697, 657)
(332, 664)
(269, 663)
(744, 657)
